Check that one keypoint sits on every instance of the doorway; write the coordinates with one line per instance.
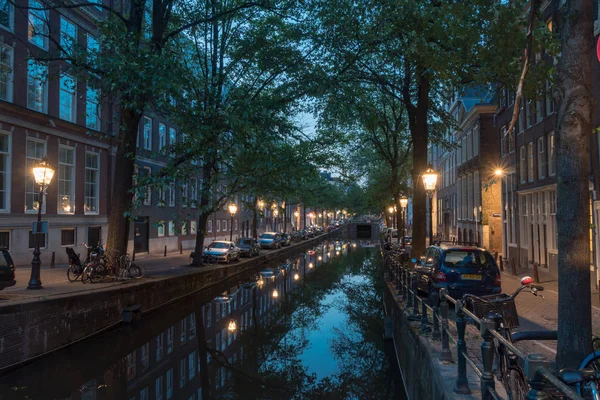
(140, 234)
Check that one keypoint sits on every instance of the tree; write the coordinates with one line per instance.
(575, 101)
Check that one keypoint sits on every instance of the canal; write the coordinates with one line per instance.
(310, 327)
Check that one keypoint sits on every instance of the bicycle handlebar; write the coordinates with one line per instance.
(533, 288)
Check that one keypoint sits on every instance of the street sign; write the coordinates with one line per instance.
(43, 227)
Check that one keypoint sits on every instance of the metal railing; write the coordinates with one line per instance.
(536, 366)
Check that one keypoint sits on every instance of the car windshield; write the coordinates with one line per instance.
(3, 260)
(266, 236)
(217, 245)
(467, 258)
(246, 242)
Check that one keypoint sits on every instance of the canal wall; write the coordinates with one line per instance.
(418, 357)
(33, 328)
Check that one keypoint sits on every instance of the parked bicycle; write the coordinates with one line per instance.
(586, 379)
(75, 266)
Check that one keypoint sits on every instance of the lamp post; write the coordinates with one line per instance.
(232, 211)
(391, 211)
(429, 181)
(297, 215)
(403, 204)
(43, 174)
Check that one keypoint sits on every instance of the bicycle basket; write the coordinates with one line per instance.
(501, 303)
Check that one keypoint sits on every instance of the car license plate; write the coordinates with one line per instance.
(471, 277)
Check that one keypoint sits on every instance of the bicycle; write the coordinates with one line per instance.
(585, 379)
(502, 310)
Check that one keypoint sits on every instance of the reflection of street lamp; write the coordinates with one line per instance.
(310, 265)
(275, 293)
(43, 174)
(296, 276)
(232, 211)
(430, 181)
(232, 326)
(403, 205)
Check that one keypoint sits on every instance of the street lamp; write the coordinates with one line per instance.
(232, 211)
(275, 293)
(429, 181)
(296, 276)
(232, 326)
(42, 174)
(403, 205)
(275, 214)
(391, 211)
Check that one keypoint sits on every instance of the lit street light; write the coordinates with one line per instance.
(232, 211)
(296, 276)
(430, 181)
(43, 174)
(275, 293)
(403, 205)
(232, 326)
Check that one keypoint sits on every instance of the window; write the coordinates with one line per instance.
(162, 196)
(145, 394)
(183, 329)
(68, 35)
(194, 192)
(551, 155)
(67, 98)
(541, 158)
(5, 239)
(209, 225)
(5, 173)
(169, 384)
(147, 133)
(170, 333)
(6, 70)
(160, 339)
(521, 116)
(35, 151)
(530, 166)
(66, 180)
(184, 194)
(148, 19)
(172, 136)
(193, 227)
(162, 136)
(161, 229)
(130, 360)
(182, 372)
(171, 194)
(192, 365)
(148, 194)
(92, 48)
(553, 228)
(218, 225)
(92, 182)
(192, 318)
(158, 388)
(42, 238)
(6, 14)
(475, 141)
(67, 237)
(145, 355)
(524, 228)
(523, 164)
(171, 228)
(539, 110)
(37, 85)
(529, 113)
(549, 99)
(224, 225)
(37, 31)
(92, 108)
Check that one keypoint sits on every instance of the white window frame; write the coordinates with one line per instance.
(172, 136)
(7, 168)
(224, 226)
(194, 227)
(523, 164)
(147, 133)
(11, 17)
(30, 162)
(209, 225)
(40, 16)
(530, 162)
(541, 150)
(68, 87)
(162, 196)
(37, 86)
(218, 225)
(171, 227)
(9, 66)
(551, 154)
(160, 229)
(97, 183)
(62, 182)
(162, 135)
(93, 108)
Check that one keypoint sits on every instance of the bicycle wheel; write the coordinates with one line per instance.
(516, 384)
(73, 276)
(135, 271)
(98, 273)
(592, 361)
(85, 275)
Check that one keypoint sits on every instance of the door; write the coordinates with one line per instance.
(140, 234)
(446, 225)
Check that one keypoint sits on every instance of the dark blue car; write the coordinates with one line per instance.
(459, 269)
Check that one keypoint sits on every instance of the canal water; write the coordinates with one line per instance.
(308, 328)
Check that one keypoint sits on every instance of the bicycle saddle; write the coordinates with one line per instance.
(571, 376)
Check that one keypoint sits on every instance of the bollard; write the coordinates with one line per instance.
(536, 379)
(435, 297)
(415, 295)
(501, 264)
(424, 320)
(52, 260)
(495, 255)
(165, 251)
(180, 248)
(512, 266)
(487, 353)
(462, 384)
(536, 275)
(408, 295)
(446, 354)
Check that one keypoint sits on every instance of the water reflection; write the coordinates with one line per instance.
(263, 335)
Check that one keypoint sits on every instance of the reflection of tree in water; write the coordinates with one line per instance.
(272, 368)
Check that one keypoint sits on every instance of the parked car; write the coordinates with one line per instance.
(408, 240)
(248, 247)
(222, 250)
(300, 235)
(286, 239)
(7, 270)
(459, 269)
(270, 240)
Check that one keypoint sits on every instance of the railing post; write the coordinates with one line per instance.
(487, 353)
(536, 380)
(513, 268)
(435, 299)
(405, 283)
(397, 275)
(424, 320)
(408, 294)
(462, 384)
(415, 295)
(446, 354)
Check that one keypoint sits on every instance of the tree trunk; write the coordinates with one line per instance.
(204, 214)
(120, 207)
(285, 218)
(254, 222)
(573, 127)
(419, 135)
